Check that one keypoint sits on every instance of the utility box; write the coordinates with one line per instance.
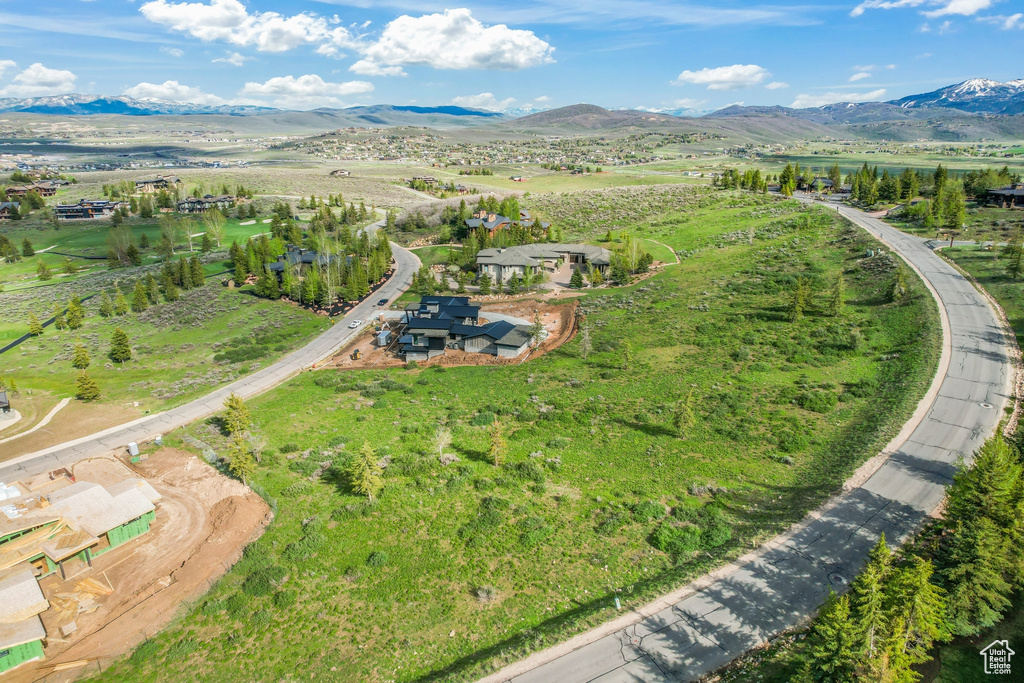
(133, 449)
(159, 441)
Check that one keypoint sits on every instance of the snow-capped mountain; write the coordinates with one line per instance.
(77, 105)
(977, 95)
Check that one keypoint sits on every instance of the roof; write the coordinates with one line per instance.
(531, 254)
(487, 223)
(20, 597)
(3, 399)
(429, 324)
(519, 335)
(93, 509)
(445, 300)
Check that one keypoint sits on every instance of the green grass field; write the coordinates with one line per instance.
(83, 238)
(456, 569)
(175, 345)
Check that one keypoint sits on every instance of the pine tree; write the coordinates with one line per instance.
(196, 272)
(26, 248)
(120, 347)
(43, 271)
(76, 314)
(867, 598)
(139, 300)
(799, 299)
(576, 281)
(920, 610)
(266, 285)
(58, 317)
(170, 289)
(237, 419)
(106, 306)
(831, 647)
(144, 239)
(497, 448)
(240, 273)
(684, 419)
(627, 355)
(80, 357)
(364, 472)
(240, 459)
(207, 244)
(120, 303)
(837, 299)
(485, 284)
(86, 388)
(152, 290)
(35, 328)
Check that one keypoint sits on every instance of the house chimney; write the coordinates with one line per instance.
(491, 217)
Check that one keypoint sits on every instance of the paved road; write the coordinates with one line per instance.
(148, 427)
(790, 580)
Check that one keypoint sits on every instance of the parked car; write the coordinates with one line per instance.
(354, 324)
(382, 302)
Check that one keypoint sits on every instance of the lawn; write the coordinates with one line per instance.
(456, 569)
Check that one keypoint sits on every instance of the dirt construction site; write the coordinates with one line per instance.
(202, 522)
(558, 320)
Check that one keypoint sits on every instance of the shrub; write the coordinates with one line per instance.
(378, 558)
(534, 536)
(526, 471)
(284, 599)
(147, 649)
(818, 401)
(482, 419)
(559, 442)
(715, 530)
(411, 365)
(528, 415)
(238, 605)
(791, 442)
(610, 523)
(648, 510)
(864, 388)
(262, 581)
(676, 540)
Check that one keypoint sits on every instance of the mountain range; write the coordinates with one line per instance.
(975, 96)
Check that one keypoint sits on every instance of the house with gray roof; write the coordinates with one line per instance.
(437, 324)
(504, 262)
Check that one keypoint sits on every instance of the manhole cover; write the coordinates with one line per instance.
(985, 405)
(837, 578)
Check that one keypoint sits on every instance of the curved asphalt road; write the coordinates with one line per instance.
(789, 578)
(150, 426)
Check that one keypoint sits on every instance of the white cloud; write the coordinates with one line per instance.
(229, 21)
(542, 98)
(859, 76)
(172, 51)
(6, 64)
(367, 68)
(689, 103)
(1006, 23)
(890, 66)
(485, 100)
(234, 58)
(305, 91)
(38, 80)
(777, 85)
(455, 40)
(725, 77)
(172, 91)
(804, 101)
(942, 7)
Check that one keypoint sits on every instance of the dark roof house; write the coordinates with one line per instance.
(439, 323)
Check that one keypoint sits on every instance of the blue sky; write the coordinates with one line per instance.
(700, 54)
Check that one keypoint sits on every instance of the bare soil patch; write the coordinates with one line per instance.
(203, 522)
(74, 421)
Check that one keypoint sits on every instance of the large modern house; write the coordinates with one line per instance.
(86, 209)
(205, 203)
(493, 222)
(44, 188)
(297, 256)
(1007, 197)
(438, 323)
(7, 209)
(504, 262)
(59, 527)
(156, 184)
